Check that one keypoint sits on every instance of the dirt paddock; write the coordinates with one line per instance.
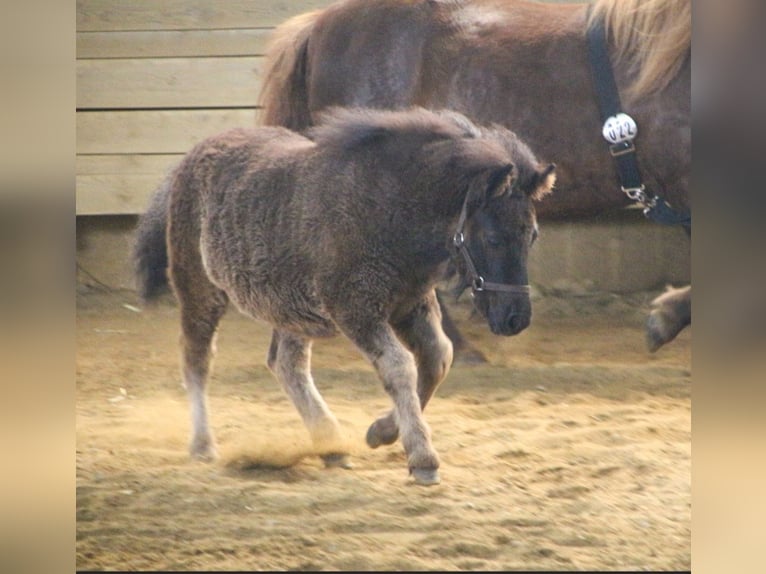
(570, 449)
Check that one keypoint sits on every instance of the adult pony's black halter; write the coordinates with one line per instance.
(619, 130)
(478, 283)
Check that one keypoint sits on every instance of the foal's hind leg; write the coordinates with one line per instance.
(421, 331)
(290, 360)
(202, 305)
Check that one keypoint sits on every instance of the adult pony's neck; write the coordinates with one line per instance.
(651, 37)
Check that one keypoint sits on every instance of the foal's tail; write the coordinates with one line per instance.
(284, 92)
(150, 252)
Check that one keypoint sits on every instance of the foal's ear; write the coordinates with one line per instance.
(488, 183)
(500, 181)
(542, 182)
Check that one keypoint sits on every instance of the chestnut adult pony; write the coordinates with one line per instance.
(517, 63)
(345, 231)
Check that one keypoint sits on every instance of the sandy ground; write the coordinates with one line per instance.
(570, 449)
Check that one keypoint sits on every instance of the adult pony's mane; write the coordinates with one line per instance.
(652, 36)
(283, 94)
(348, 128)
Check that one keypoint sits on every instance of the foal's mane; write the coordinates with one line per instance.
(652, 36)
(349, 128)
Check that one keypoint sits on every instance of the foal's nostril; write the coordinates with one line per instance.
(517, 322)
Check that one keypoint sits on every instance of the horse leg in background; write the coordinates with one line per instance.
(202, 305)
(671, 313)
(464, 352)
(290, 361)
(421, 331)
(397, 370)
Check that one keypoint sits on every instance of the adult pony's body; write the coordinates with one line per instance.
(516, 63)
(346, 231)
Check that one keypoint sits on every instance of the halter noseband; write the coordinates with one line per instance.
(477, 281)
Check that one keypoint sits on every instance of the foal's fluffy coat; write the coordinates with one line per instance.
(345, 229)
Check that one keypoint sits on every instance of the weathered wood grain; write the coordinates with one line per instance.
(114, 15)
(167, 83)
(172, 43)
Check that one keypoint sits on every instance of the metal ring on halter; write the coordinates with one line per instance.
(635, 193)
(478, 284)
(638, 194)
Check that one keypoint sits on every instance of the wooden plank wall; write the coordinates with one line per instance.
(156, 76)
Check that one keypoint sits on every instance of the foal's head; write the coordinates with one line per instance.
(487, 175)
(495, 231)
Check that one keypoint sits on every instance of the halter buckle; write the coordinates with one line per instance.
(621, 148)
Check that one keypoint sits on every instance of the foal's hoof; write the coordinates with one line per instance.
(337, 460)
(382, 431)
(207, 455)
(203, 451)
(425, 476)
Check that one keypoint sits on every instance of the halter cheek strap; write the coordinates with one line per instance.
(619, 130)
(478, 282)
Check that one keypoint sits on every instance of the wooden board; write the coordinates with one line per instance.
(123, 156)
(119, 183)
(121, 164)
(153, 132)
(112, 15)
(114, 194)
(168, 83)
(172, 44)
(154, 78)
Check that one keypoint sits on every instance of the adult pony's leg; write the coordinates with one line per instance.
(202, 305)
(671, 312)
(290, 361)
(421, 331)
(397, 370)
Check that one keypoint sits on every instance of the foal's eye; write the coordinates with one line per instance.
(493, 240)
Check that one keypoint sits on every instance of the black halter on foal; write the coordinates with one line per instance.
(619, 130)
(478, 283)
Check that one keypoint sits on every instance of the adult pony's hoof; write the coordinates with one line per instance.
(661, 328)
(337, 460)
(671, 312)
(655, 337)
(382, 431)
(425, 476)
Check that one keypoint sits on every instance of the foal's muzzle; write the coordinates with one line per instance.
(507, 316)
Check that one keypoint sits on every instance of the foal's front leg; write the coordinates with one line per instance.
(396, 367)
(290, 361)
(422, 333)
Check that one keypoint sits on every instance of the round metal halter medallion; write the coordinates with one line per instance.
(619, 128)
